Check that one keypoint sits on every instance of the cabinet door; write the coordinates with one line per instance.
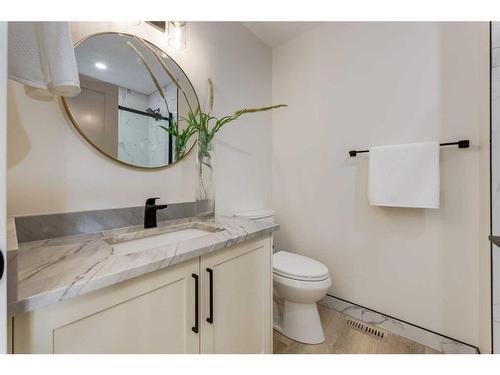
(153, 313)
(241, 299)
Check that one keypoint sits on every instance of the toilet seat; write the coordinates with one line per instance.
(298, 267)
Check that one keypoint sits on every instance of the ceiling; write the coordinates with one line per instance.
(275, 33)
(123, 66)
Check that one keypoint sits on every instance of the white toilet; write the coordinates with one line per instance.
(299, 282)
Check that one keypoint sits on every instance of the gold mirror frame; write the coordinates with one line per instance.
(69, 115)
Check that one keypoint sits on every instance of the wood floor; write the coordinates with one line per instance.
(344, 339)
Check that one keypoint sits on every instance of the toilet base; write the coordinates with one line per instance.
(301, 322)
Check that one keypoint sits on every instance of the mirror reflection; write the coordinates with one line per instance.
(121, 110)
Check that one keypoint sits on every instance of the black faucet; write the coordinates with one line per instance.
(150, 212)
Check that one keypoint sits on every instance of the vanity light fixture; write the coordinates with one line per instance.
(177, 34)
(100, 66)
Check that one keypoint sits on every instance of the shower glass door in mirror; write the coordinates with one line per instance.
(133, 100)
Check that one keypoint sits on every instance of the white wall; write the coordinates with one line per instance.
(52, 169)
(354, 85)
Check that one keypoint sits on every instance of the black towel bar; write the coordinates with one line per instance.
(464, 143)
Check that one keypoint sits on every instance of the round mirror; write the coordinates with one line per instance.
(133, 97)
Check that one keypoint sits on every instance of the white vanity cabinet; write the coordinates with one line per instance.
(153, 313)
(156, 312)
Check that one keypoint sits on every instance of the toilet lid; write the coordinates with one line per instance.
(298, 267)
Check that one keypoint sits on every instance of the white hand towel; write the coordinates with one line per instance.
(42, 57)
(404, 175)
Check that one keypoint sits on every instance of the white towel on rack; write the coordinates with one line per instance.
(404, 175)
(42, 57)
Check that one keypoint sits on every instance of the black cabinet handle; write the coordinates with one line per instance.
(2, 265)
(195, 328)
(210, 319)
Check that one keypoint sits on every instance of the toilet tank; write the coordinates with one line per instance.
(266, 215)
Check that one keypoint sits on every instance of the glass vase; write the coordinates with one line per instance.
(205, 191)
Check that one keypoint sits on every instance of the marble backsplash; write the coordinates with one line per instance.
(42, 227)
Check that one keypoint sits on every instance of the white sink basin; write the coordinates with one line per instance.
(145, 243)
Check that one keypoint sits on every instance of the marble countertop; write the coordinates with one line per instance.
(48, 271)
